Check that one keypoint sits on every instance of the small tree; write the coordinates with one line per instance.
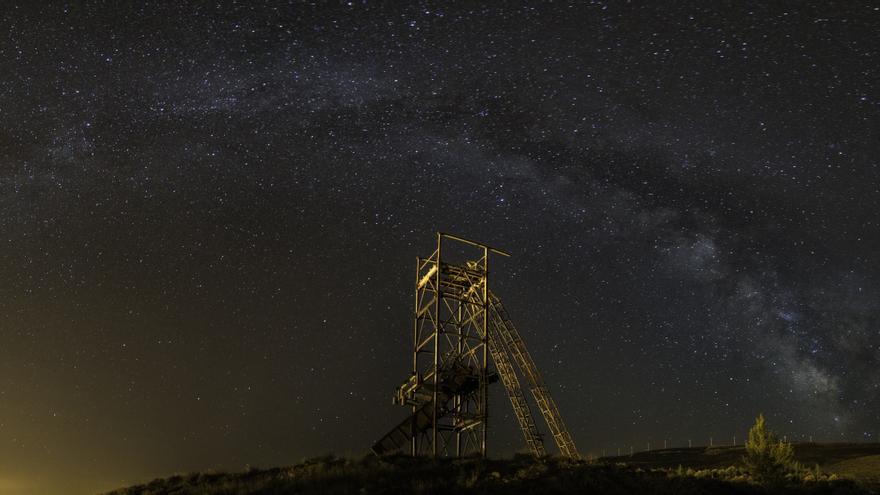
(767, 459)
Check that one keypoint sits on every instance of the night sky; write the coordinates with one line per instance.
(210, 213)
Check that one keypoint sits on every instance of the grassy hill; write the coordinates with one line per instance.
(827, 455)
(702, 471)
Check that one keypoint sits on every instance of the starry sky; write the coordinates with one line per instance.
(209, 215)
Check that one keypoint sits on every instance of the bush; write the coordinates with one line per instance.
(767, 459)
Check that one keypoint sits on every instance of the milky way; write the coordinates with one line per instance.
(210, 216)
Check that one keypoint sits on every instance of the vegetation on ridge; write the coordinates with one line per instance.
(521, 474)
(769, 465)
(768, 459)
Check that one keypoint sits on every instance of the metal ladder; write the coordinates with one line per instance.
(503, 327)
(514, 392)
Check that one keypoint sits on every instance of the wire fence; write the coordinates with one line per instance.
(631, 449)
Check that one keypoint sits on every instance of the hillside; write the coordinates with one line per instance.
(857, 467)
(826, 455)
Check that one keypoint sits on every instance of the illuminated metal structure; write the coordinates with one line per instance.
(459, 327)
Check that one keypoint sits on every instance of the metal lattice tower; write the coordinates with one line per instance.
(459, 324)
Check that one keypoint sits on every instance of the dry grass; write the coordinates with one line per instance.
(523, 474)
(865, 469)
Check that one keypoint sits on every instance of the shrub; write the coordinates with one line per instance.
(767, 459)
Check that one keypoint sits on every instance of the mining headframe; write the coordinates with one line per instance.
(462, 340)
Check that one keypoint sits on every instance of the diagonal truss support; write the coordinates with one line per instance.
(511, 338)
